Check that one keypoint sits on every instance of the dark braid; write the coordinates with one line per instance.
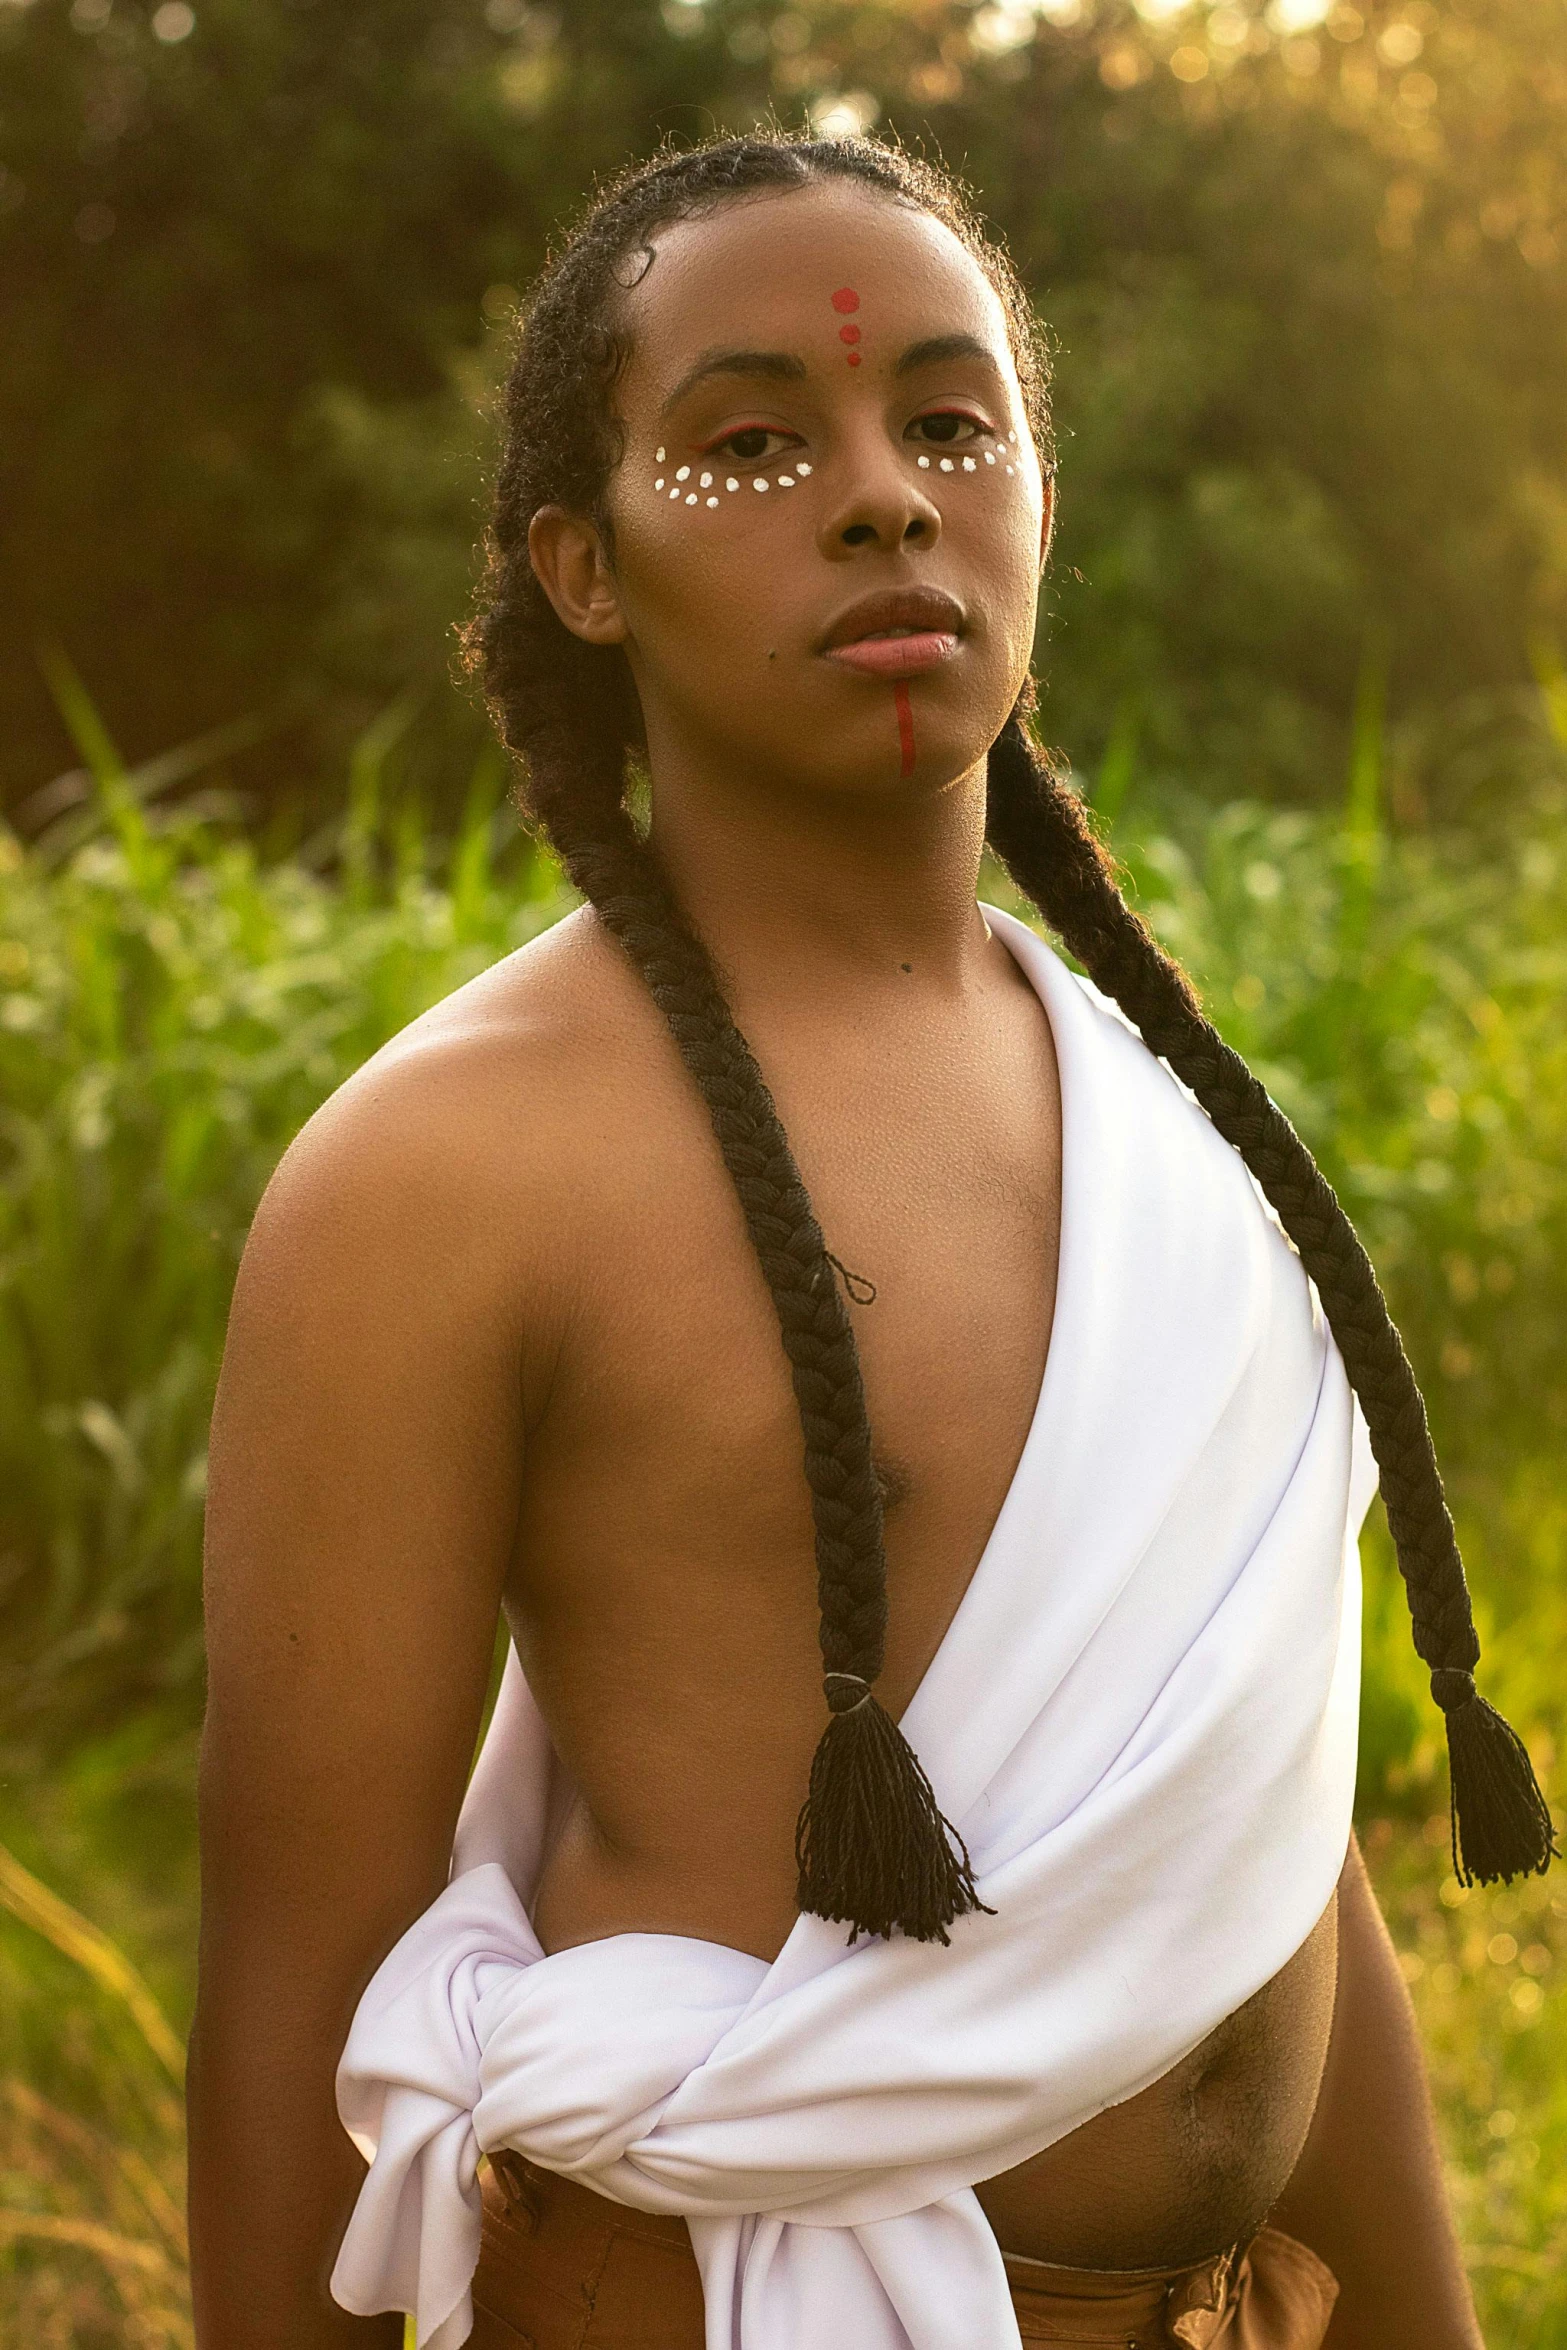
(1500, 1821)
(873, 1848)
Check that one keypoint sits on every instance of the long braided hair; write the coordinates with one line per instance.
(872, 1846)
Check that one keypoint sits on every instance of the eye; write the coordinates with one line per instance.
(948, 428)
(752, 444)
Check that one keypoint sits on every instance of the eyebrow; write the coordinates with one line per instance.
(777, 366)
(938, 347)
(788, 367)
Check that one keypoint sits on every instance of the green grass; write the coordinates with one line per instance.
(173, 1004)
(1484, 1969)
(172, 1008)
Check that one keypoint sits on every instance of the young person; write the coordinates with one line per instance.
(1058, 2011)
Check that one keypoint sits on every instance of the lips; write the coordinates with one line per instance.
(897, 656)
(896, 632)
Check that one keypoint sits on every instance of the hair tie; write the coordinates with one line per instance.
(1452, 1687)
(845, 1703)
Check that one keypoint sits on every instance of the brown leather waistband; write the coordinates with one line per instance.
(550, 2240)
(552, 2246)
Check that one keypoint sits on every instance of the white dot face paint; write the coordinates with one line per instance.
(803, 470)
(969, 463)
(658, 456)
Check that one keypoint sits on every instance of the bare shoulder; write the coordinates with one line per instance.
(412, 1274)
(513, 1054)
(459, 1154)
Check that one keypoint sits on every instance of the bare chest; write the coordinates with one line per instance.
(663, 1586)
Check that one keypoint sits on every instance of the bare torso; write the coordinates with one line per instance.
(661, 1587)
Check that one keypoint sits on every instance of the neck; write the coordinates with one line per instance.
(813, 887)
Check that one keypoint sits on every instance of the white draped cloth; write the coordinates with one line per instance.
(1143, 1721)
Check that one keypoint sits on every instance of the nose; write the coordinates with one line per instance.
(881, 505)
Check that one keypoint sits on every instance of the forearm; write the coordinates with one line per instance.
(273, 2178)
(1368, 2194)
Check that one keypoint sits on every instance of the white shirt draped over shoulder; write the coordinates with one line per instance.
(1149, 1691)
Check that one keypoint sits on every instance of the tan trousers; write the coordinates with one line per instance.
(564, 2269)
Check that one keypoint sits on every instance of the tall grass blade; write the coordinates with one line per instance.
(58, 2227)
(101, 2155)
(1551, 677)
(62, 835)
(75, 705)
(30, 1900)
(117, 803)
(1118, 767)
(366, 784)
(1363, 783)
(472, 855)
(1362, 838)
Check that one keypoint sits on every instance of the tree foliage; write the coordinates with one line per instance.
(1306, 280)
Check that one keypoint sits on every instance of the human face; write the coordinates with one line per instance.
(828, 520)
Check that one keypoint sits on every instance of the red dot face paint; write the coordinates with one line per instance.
(843, 301)
(905, 710)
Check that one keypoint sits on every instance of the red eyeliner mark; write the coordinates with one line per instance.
(901, 703)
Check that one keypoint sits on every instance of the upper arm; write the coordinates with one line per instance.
(363, 1493)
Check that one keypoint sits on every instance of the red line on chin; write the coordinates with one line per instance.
(901, 703)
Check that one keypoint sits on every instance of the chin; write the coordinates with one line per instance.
(875, 770)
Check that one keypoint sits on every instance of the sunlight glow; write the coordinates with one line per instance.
(847, 114)
(1297, 16)
(996, 30)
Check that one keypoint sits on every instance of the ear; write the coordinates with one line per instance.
(1047, 520)
(571, 567)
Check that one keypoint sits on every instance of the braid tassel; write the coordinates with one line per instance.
(1501, 1823)
(873, 1848)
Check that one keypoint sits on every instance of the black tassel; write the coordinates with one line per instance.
(873, 1849)
(1501, 1822)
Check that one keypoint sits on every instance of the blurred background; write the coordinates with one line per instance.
(1305, 269)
